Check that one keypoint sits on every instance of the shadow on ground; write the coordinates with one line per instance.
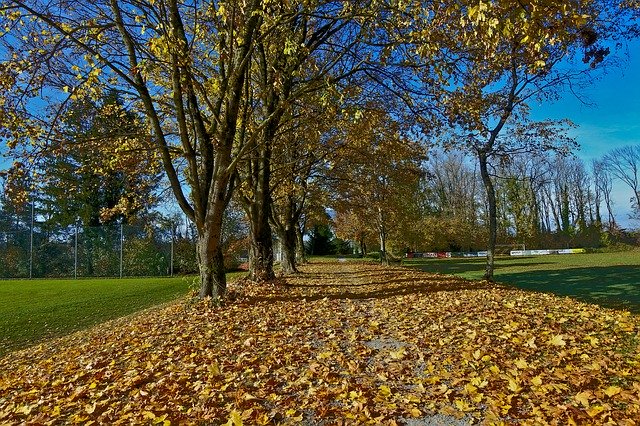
(377, 284)
(458, 266)
(609, 286)
(615, 286)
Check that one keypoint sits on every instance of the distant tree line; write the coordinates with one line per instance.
(543, 201)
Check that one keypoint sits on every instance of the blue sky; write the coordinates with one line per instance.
(611, 121)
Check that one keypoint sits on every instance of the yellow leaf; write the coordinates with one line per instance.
(612, 391)
(25, 409)
(521, 364)
(162, 419)
(93, 385)
(470, 389)
(461, 405)
(513, 386)
(557, 340)
(214, 369)
(399, 354)
(235, 419)
(583, 398)
(595, 410)
(479, 382)
(539, 64)
(384, 390)
(415, 412)
(536, 381)
(291, 412)
(324, 355)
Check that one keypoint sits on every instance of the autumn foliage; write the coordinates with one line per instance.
(343, 343)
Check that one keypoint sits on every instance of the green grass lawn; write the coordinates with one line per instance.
(608, 279)
(32, 310)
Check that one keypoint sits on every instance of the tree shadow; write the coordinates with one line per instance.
(465, 265)
(609, 286)
(360, 285)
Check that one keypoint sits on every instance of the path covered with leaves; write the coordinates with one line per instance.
(342, 343)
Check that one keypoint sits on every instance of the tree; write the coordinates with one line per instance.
(184, 67)
(624, 164)
(349, 225)
(453, 202)
(493, 59)
(603, 186)
(296, 157)
(320, 240)
(318, 44)
(373, 171)
(85, 176)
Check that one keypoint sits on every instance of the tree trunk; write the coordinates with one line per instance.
(209, 248)
(491, 200)
(287, 237)
(384, 259)
(261, 253)
(213, 282)
(300, 253)
(285, 219)
(258, 208)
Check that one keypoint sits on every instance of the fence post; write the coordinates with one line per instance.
(121, 247)
(31, 241)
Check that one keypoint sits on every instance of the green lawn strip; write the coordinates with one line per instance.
(33, 310)
(608, 279)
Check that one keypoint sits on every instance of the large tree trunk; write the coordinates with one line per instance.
(209, 250)
(261, 253)
(493, 223)
(213, 282)
(258, 208)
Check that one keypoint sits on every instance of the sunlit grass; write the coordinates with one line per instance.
(32, 310)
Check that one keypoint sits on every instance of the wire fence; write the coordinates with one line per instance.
(105, 251)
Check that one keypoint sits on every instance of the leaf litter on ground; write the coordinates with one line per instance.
(340, 343)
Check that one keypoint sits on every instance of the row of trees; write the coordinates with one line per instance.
(543, 201)
(288, 107)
